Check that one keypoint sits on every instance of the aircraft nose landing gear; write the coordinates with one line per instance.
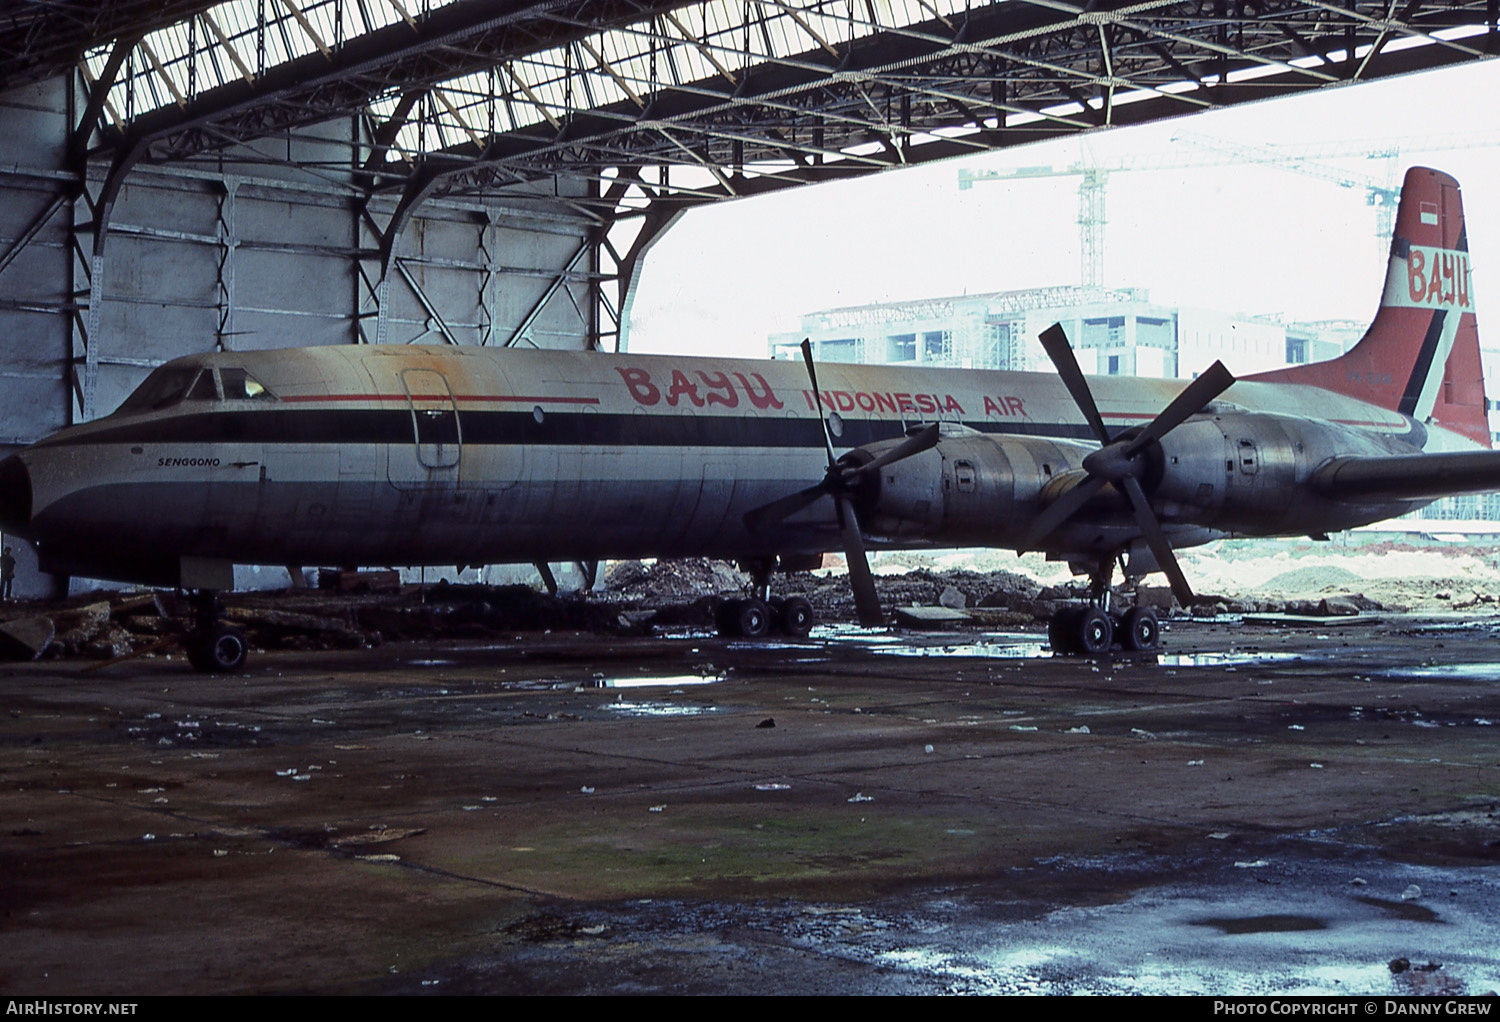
(212, 646)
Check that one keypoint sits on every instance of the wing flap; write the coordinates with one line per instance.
(1409, 476)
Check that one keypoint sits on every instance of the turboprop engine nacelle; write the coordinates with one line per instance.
(1231, 472)
(972, 489)
(1252, 473)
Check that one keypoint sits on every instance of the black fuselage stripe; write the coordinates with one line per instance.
(500, 428)
(1423, 366)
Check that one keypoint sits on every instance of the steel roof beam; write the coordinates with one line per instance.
(449, 42)
(42, 40)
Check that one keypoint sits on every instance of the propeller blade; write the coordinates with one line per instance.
(861, 580)
(923, 441)
(1212, 382)
(1157, 540)
(785, 507)
(812, 375)
(1059, 511)
(1055, 343)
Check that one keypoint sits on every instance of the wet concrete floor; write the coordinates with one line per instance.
(1256, 811)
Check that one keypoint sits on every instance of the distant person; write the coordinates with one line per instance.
(7, 573)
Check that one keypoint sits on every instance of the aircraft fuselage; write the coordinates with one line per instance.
(367, 455)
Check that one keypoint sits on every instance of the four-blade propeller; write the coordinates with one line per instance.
(1120, 461)
(838, 483)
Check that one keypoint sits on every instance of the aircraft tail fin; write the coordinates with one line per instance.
(1420, 356)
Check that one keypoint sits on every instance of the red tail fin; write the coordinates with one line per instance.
(1421, 354)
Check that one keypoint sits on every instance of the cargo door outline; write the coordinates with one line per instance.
(436, 449)
(699, 511)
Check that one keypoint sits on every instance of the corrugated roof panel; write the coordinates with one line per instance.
(261, 45)
(332, 30)
(171, 43)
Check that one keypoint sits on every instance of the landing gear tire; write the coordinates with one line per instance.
(795, 617)
(1060, 630)
(724, 618)
(752, 619)
(1140, 631)
(1093, 633)
(220, 651)
(743, 619)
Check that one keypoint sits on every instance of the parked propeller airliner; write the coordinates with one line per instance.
(454, 455)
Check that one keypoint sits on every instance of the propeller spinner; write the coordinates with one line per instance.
(838, 483)
(1120, 461)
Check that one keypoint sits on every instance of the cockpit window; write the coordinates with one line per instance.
(166, 386)
(171, 384)
(241, 386)
(203, 388)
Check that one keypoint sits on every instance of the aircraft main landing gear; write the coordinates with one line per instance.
(212, 646)
(1093, 628)
(757, 617)
(760, 615)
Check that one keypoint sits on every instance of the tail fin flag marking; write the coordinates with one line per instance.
(1420, 355)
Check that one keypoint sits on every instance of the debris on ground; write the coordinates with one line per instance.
(986, 589)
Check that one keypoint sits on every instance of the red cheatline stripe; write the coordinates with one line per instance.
(1342, 422)
(524, 398)
(473, 398)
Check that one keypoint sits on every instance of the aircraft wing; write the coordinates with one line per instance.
(1409, 476)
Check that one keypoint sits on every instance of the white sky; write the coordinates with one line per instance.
(1241, 238)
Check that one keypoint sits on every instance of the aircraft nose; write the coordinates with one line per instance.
(15, 496)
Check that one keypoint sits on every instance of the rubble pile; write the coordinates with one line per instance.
(104, 626)
(672, 581)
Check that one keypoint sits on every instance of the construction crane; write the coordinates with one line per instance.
(1092, 189)
(1381, 194)
(1091, 217)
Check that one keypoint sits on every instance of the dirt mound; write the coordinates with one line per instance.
(672, 580)
(1311, 579)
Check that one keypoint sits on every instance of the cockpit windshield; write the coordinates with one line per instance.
(168, 385)
(164, 387)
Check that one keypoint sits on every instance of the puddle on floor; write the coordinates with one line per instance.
(1240, 940)
(654, 709)
(649, 681)
(991, 645)
(1203, 933)
(1227, 658)
(1447, 672)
